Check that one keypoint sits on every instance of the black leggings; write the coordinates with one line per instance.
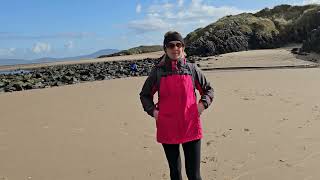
(192, 159)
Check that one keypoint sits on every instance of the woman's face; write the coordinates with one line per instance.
(175, 49)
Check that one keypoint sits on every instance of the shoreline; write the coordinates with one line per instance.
(83, 61)
(109, 68)
(310, 57)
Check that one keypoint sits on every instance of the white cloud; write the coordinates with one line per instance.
(148, 24)
(311, 2)
(180, 3)
(181, 16)
(40, 47)
(138, 8)
(7, 51)
(69, 45)
(21, 36)
(157, 8)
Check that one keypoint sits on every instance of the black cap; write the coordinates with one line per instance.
(172, 36)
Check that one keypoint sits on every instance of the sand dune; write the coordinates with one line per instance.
(263, 125)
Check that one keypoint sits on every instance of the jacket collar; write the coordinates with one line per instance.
(172, 63)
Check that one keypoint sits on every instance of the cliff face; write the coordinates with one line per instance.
(312, 43)
(268, 28)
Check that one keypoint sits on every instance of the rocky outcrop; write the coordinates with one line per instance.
(312, 43)
(71, 74)
(268, 28)
(231, 34)
(222, 41)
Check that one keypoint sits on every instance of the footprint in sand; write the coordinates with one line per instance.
(209, 159)
(285, 100)
(90, 171)
(316, 111)
(77, 130)
(146, 148)
(226, 134)
(307, 123)
(165, 176)
(148, 135)
(263, 94)
(283, 119)
(248, 131)
(210, 142)
(248, 98)
(123, 128)
(315, 108)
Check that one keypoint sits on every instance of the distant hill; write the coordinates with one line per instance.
(135, 50)
(13, 61)
(50, 59)
(268, 28)
(93, 55)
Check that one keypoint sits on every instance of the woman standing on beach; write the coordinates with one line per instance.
(177, 113)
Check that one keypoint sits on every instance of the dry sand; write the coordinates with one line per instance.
(281, 57)
(263, 125)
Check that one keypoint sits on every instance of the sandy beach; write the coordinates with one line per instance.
(263, 125)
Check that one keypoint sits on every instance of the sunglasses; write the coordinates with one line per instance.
(172, 45)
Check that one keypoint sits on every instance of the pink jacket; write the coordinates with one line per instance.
(176, 81)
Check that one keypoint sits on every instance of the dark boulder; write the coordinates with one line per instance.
(312, 43)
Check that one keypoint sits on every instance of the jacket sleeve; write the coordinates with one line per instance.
(204, 87)
(147, 92)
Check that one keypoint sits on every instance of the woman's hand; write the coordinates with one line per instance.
(200, 108)
(155, 114)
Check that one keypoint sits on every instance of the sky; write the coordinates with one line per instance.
(62, 28)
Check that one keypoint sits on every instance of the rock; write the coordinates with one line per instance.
(27, 86)
(69, 79)
(100, 77)
(18, 86)
(312, 43)
(222, 41)
(38, 85)
(302, 53)
(9, 89)
(37, 75)
(70, 74)
(2, 84)
(75, 80)
(57, 83)
(295, 50)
